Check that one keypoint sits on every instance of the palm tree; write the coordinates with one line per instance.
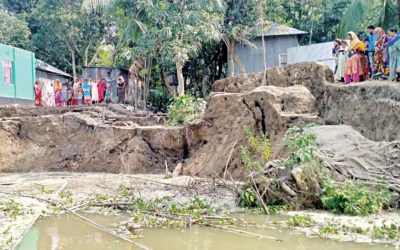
(190, 23)
(361, 13)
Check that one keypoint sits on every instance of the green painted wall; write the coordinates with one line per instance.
(23, 73)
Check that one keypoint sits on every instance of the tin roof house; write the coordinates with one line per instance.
(48, 73)
(277, 39)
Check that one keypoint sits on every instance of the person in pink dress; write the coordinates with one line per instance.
(58, 98)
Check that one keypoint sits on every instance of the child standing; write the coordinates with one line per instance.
(80, 95)
(64, 95)
(95, 91)
(70, 96)
(341, 61)
(86, 92)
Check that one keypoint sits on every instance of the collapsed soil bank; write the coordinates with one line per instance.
(88, 140)
(294, 95)
(117, 140)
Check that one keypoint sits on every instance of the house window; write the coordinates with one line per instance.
(282, 59)
(8, 79)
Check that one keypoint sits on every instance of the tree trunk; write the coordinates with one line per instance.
(398, 10)
(204, 83)
(86, 55)
(147, 83)
(171, 89)
(230, 45)
(236, 59)
(181, 81)
(73, 64)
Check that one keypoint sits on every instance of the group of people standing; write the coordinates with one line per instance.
(84, 92)
(376, 56)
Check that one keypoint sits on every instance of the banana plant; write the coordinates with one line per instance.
(361, 13)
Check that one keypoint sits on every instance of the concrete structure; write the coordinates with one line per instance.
(17, 74)
(278, 38)
(320, 52)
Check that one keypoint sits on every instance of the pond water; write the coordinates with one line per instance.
(68, 232)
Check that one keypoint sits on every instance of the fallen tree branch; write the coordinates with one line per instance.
(234, 230)
(229, 158)
(258, 195)
(84, 218)
(109, 231)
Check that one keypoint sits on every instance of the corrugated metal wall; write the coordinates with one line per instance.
(321, 52)
(252, 58)
(97, 73)
(23, 73)
(44, 77)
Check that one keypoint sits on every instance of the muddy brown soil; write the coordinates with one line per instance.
(118, 140)
(96, 139)
(295, 95)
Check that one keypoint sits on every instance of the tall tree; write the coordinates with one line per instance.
(240, 18)
(320, 18)
(66, 36)
(13, 31)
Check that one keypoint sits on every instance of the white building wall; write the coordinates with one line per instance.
(321, 52)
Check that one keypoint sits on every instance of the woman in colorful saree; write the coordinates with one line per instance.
(355, 42)
(38, 94)
(353, 68)
(393, 47)
(57, 86)
(381, 64)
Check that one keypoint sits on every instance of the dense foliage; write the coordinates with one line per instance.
(190, 38)
(355, 198)
(14, 31)
(185, 108)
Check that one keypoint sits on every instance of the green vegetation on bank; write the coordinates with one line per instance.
(308, 180)
(184, 109)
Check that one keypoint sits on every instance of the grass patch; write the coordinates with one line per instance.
(300, 221)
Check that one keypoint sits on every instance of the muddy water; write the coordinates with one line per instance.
(69, 233)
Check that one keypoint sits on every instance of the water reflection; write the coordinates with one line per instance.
(68, 232)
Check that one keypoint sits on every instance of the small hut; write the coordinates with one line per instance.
(48, 74)
(277, 39)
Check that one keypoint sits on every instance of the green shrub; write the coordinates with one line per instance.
(185, 108)
(158, 100)
(300, 143)
(328, 228)
(300, 221)
(354, 198)
(248, 198)
(391, 232)
(256, 152)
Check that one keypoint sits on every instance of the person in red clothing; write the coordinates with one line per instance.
(38, 94)
(102, 87)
